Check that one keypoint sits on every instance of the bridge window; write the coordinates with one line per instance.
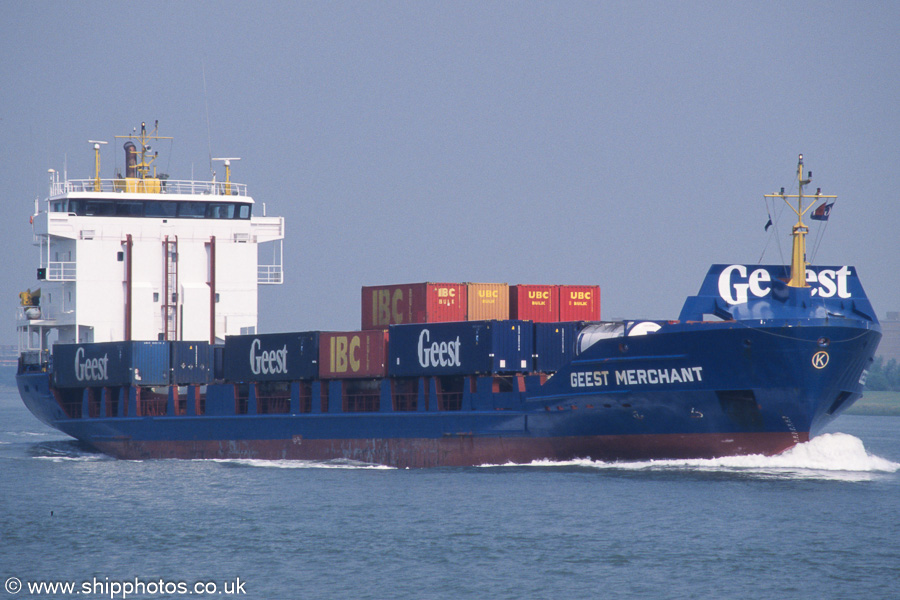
(93, 208)
(221, 210)
(159, 209)
(192, 210)
(154, 209)
(129, 209)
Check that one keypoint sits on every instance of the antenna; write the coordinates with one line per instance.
(206, 103)
(227, 162)
(97, 144)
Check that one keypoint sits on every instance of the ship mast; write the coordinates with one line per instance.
(143, 167)
(799, 231)
(97, 144)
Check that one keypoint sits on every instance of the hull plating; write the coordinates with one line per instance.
(463, 450)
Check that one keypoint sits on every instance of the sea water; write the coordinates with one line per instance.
(820, 521)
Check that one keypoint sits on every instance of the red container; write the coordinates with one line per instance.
(385, 305)
(538, 303)
(579, 303)
(348, 354)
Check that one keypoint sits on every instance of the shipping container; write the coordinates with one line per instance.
(487, 301)
(110, 364)
(272, 356)
(149, 362)
(218, 359)
(460, 348)
(579, 303)
(554, 345)
(191, 362)
(413, 303)
(345, 354)
(538, 303)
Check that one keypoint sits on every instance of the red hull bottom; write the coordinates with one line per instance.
(459, 451)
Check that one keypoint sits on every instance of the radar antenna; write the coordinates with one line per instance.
(227, 162)
(97, 144)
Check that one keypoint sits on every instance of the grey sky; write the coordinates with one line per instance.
(625, 144)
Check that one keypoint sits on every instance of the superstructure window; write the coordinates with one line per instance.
(220, 210)
(160, 209)
(192, 210)
(98, 208)
(157, 208)
(129, 209)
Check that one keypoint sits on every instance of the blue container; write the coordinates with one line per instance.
(217, 356)
(272, 357)
(191, 363)
(111, 364)
(554, 344)
(149, 363)
(460, 348)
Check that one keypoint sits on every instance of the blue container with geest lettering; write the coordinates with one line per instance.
(460, 348)
(272, 356)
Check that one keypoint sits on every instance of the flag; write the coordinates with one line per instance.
(822, 213)
(769, 223)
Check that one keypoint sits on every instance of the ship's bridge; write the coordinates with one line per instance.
(149, 258)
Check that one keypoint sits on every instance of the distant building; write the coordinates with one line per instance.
(9, 356)
(889, 348)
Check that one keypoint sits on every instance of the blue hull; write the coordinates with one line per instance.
(687, 390)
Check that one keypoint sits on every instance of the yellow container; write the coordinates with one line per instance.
(488, 301)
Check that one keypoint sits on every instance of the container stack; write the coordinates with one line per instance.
(451, 302)
(408, 331)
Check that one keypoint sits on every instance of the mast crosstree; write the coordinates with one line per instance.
(800, 230)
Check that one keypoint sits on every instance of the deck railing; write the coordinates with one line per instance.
(149, 186)
(61, 271)
(269, 274)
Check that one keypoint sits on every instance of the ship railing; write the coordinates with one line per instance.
(34, 361)
(60, 271)
(149, 186)
(269, 274)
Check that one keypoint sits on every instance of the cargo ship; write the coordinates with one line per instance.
(142, 343)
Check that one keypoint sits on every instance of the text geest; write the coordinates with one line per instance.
(736, 285)
(268, 361)
(91, 369)
(438, 354)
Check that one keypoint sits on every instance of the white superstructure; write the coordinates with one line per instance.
(142, 257)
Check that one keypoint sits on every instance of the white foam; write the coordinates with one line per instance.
(32, 433)
(296, 464)
(829, 456)
(78, 458)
